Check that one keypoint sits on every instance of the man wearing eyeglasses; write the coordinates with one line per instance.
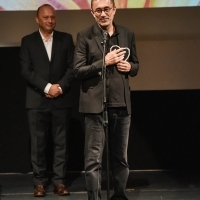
(88, 62)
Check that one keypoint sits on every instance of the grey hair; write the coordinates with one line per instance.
(112, 1)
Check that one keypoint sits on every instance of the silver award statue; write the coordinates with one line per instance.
(126, 49)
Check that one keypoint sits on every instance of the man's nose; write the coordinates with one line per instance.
(49, 20)
(103, 13)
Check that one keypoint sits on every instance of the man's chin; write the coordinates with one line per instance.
(49, 30)
(104, 25)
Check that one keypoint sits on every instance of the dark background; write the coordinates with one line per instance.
(164, 132)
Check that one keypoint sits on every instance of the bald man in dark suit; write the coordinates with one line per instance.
(46, 58)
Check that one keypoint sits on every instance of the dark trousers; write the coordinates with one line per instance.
(39, 122)
(119, 125)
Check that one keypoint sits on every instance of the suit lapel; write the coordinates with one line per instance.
(98, 36)
(41, 46)
(54, 45)
(121, 37)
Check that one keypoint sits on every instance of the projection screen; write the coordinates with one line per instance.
(85, 4)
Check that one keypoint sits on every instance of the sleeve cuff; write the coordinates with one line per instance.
(47, 88)
(60, 89)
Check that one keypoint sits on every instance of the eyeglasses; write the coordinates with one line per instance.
(106, 10)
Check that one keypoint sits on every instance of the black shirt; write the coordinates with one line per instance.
(115, 83)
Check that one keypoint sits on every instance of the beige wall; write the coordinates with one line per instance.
(167, 40)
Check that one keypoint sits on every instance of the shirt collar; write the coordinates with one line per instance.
(115, 30)
(43, 38)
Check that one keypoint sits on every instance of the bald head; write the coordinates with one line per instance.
(42, 6)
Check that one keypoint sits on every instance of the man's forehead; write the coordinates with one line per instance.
(101, 2)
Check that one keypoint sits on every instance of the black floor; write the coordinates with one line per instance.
(142, 185)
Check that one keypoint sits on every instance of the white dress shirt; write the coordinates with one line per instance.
(48, 46)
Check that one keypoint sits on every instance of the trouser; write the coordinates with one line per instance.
(39, 122)
(118, 130)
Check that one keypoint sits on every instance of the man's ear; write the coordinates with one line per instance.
(115, 9)
(36, 19)
(92, 12)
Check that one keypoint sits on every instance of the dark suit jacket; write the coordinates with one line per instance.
(38, 71)
(88, 66)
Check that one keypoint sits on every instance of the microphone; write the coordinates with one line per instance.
(105, 37)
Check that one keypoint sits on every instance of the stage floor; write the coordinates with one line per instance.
(142, 185)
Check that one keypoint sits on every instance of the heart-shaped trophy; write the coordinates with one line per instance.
(126, 49)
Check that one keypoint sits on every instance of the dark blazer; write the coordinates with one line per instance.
(38, 71)
(88, 66)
